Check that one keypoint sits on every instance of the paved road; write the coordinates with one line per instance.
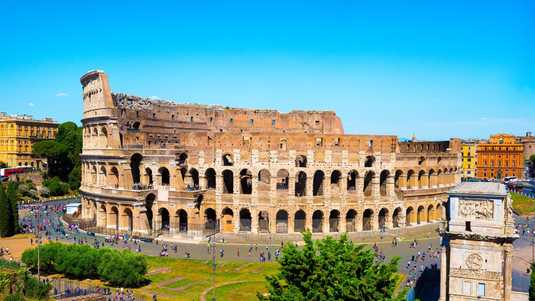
(49, 218)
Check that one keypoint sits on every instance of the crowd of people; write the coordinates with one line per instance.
(43, 221)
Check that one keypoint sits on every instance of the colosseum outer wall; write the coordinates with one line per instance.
(151, 167)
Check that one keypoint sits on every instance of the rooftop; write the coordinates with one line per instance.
(481, 188)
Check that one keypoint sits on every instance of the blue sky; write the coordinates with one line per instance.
(436, 69)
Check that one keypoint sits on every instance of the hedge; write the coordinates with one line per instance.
(118, 268)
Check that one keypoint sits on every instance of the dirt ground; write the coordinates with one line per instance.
(16, 245)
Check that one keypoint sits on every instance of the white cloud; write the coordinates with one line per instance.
(31, 104)
(62, 94)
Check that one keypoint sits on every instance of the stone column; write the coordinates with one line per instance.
(507, 272)
(390, 189)
(236, 184)
(402, 182)
(443, 274)
(423, 182)
(360, 187)
(342, 227)
(291, 186)
(308, 221)
(203, 182)
(375, 187)
(273, 188)
(254, 221)
(309, 186)
(236, 220)
(219, 184)
(375, 221)
(325, 224)
(254, 186)
(343, 185)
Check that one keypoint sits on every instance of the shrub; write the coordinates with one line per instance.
(56, 186)
(123, 268)
(119, 268)
(14, 297)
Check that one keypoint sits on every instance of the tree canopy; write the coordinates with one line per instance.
(9, 216)
(63, 154)
(331, 269)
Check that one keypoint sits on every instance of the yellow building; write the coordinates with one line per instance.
(18, 134)
(469, 164)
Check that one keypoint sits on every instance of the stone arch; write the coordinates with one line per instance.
(420, 217)
(263, 221)
(227, 160)
(382, 218)
(430, 213)
(135, 161)
(398, 176)
(410, 179)
(194, 174)
(264, 180)
(165, 219)
(396, 218)
(336, 182)
(95, 131)
(300, 161)
(439, 211)
(149, 202)
(281, 221)
(94, 175)
(210, 176)
(103, 176)
(352, 177)
(421, 179)
(431, 178)
(182, 218)
(114, 177)
(300, 221)
(439, 177)
(383, 178)
(368, 179)
(164, 175)
(410, 216)
(210, 219)
(227, 220)
(228, 181)
(317, 188)
(351, 220)
(104, 134)
(102, 217)
(282, 179)
(149, 179)
(317, 221)
(245, 220)
(246, 181)
(300, 184)
(334, 221)
(367, 220)
(129, 220)
(114, 218)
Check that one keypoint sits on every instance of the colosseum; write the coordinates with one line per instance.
(153, 167)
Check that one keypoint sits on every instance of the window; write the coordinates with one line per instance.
(273, 122)
(468, 226)
(481, 289)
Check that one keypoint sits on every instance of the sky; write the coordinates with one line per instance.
(433, 69)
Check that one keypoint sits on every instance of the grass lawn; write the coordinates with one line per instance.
(523, 205)
(181, 279)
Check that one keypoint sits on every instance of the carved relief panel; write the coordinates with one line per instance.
(476, 209)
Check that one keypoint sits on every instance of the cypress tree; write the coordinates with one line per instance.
(13, 199)
(4, 213)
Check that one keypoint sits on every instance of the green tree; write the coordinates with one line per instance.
(63, 154)
(3, 164)
(330, 269)
(4, 213)
(13, 199)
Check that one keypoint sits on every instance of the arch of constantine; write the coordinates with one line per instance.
(152, 166)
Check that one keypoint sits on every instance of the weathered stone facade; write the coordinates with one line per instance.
(151, 166)
(477, 244)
